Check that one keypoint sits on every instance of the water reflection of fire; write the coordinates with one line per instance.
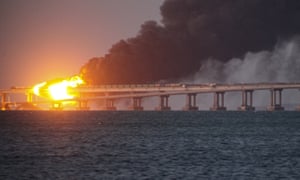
(58, 89)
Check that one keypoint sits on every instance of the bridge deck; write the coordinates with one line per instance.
(171, 88)
(186, 88)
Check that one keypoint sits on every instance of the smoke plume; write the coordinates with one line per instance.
(192, 32)
(281, 64)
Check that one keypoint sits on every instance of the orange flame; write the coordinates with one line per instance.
(58, 89)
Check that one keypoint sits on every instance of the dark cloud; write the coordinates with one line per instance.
(191, 32)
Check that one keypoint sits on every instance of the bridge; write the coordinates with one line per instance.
(136, 92)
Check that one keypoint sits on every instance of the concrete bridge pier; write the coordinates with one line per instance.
(218, 102)
(110, 105)
(136, 104)
(4, 102)
(274, 104)
(56, 105)
(298, 107)
(164, 103)
(29, 97)
(247, 101)
(190, 102)
(83, 105)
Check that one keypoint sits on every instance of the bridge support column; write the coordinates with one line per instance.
(29, 97)
(110, 105)
(298, 107)
(218, 102)
(57, 105)
(164, 103)
(274, 104)
(4, 102)
(247, 101)
(136, 104)
(190, 102)
(83, 105)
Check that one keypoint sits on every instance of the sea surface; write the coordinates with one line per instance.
(149, 145)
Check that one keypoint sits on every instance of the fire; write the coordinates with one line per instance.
(59, 89)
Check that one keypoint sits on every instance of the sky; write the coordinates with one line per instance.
(43, 40)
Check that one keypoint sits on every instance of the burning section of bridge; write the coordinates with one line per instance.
(58, 89)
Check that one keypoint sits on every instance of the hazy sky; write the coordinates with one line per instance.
(42, 40)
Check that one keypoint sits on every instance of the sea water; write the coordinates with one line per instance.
(149, 145)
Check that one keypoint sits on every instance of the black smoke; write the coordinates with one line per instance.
(191, 32)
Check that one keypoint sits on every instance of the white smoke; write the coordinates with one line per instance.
(282, 64)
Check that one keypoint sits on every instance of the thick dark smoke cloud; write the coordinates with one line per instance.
(191, 32)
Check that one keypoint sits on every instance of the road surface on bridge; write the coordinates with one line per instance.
(147, 90)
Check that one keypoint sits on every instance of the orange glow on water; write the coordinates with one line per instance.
(58, 89)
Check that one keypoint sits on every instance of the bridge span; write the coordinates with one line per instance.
(111, 93)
